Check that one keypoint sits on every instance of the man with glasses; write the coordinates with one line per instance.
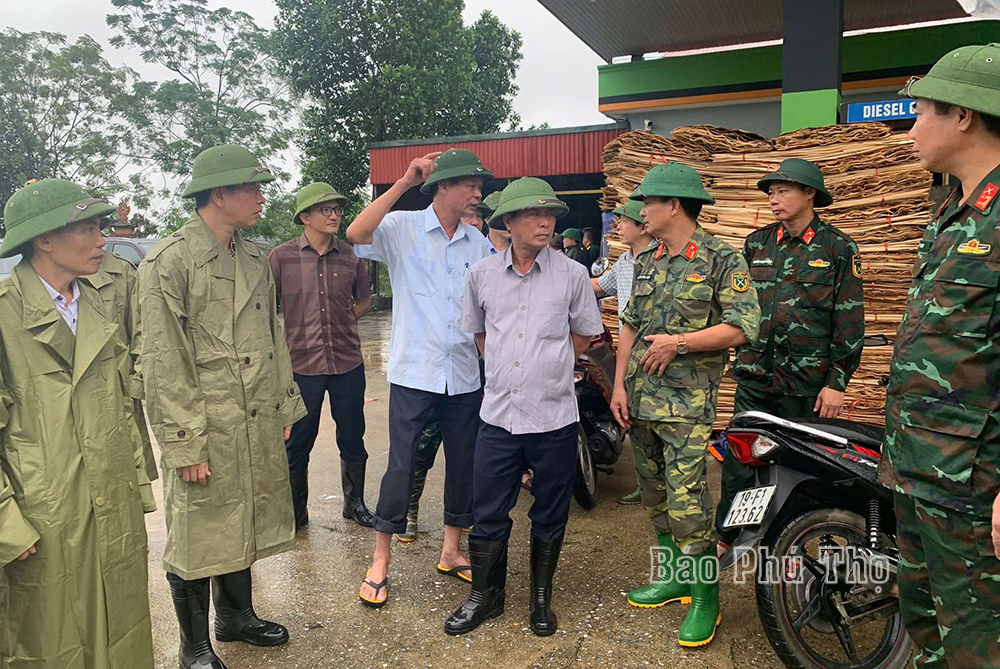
(323, 289)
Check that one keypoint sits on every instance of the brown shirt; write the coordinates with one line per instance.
(317, 295)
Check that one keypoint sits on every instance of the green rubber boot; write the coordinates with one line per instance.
(660, 594)
(631, 497)
(704, 616)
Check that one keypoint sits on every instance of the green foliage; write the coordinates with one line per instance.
(61, 115)
(380, 70)
(223, 89)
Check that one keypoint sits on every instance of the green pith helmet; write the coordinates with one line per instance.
(487, 207)
(489, 204)
(800, 172)
(573, 233)
(528, 193)
(632, 209)
(672, 180)
(225, 165)
(46, 205)
(967, 77)
(313, 194)
(455, 163)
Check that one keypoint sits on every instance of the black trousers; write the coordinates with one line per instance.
(501, 458)
(408, 414)
(736, 477)
(347, 406)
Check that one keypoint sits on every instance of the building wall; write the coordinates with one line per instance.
(761, 117)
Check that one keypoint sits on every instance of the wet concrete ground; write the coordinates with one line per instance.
(313, 589)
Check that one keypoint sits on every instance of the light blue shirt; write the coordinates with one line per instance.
(428, 349)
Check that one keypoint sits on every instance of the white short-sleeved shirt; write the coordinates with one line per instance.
(428, 350)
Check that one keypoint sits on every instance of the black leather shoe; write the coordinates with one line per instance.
(235, 619)
(352, 478)
(489, 587)
(299, 478)
(544, 558)
(191, 604)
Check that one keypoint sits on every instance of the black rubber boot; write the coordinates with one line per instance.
(235, 619)
(544, 558)
(191, 604)
(299, 479)
(352, 478)
(419, 479)
(489, 583)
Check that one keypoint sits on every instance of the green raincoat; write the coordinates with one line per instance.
(219, 388)
(72, 484)
(115, 281)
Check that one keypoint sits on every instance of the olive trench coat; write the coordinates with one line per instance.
(115, 282)
(219, 389)
(72, 485)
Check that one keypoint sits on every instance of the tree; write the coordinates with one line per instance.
(380, 70)
(497, 51)
(223, 86)
(61, 116)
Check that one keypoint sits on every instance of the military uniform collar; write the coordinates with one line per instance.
(983, 198)
(807, 235)
(205, 247)
(690, 251)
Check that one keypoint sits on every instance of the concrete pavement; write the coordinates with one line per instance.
(313, 589)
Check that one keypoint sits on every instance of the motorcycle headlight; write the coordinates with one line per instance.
(762, 446)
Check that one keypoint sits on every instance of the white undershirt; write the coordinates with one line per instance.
(70, 311)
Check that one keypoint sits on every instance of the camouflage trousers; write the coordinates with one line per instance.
(428, 446)
(949, 586)
(673, 481)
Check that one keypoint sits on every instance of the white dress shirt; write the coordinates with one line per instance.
(428, 350)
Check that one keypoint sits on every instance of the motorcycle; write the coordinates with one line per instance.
(825, 570)
(599, 438)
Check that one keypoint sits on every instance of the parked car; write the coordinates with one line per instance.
(132, 250)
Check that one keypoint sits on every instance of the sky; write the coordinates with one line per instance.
(557, 79)
(558, 76)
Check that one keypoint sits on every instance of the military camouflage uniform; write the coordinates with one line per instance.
(941, 452)
(812, 329)
(706, 285)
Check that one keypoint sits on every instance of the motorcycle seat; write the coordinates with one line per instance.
(869, 436)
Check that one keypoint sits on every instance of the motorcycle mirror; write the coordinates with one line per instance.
(600, 266)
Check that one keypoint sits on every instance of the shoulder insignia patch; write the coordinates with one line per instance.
(987, 196)
(691, 251)
(695, 278)
(856, 265)
(808, 237)
(741, 282)
(819, 263)
(974, 247)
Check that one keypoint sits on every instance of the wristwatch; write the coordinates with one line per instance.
(682, 345)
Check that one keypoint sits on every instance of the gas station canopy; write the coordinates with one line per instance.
(635, 27)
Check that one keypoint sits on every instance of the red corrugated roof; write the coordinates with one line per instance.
(507, 157)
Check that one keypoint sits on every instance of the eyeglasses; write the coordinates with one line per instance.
(330, 211)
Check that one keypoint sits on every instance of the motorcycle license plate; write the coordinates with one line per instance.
(749, 507)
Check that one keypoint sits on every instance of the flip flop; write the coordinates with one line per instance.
(456, 572)
(374, 603)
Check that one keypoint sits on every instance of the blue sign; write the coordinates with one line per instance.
(886, 110)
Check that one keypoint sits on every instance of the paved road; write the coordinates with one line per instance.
(313, 589)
